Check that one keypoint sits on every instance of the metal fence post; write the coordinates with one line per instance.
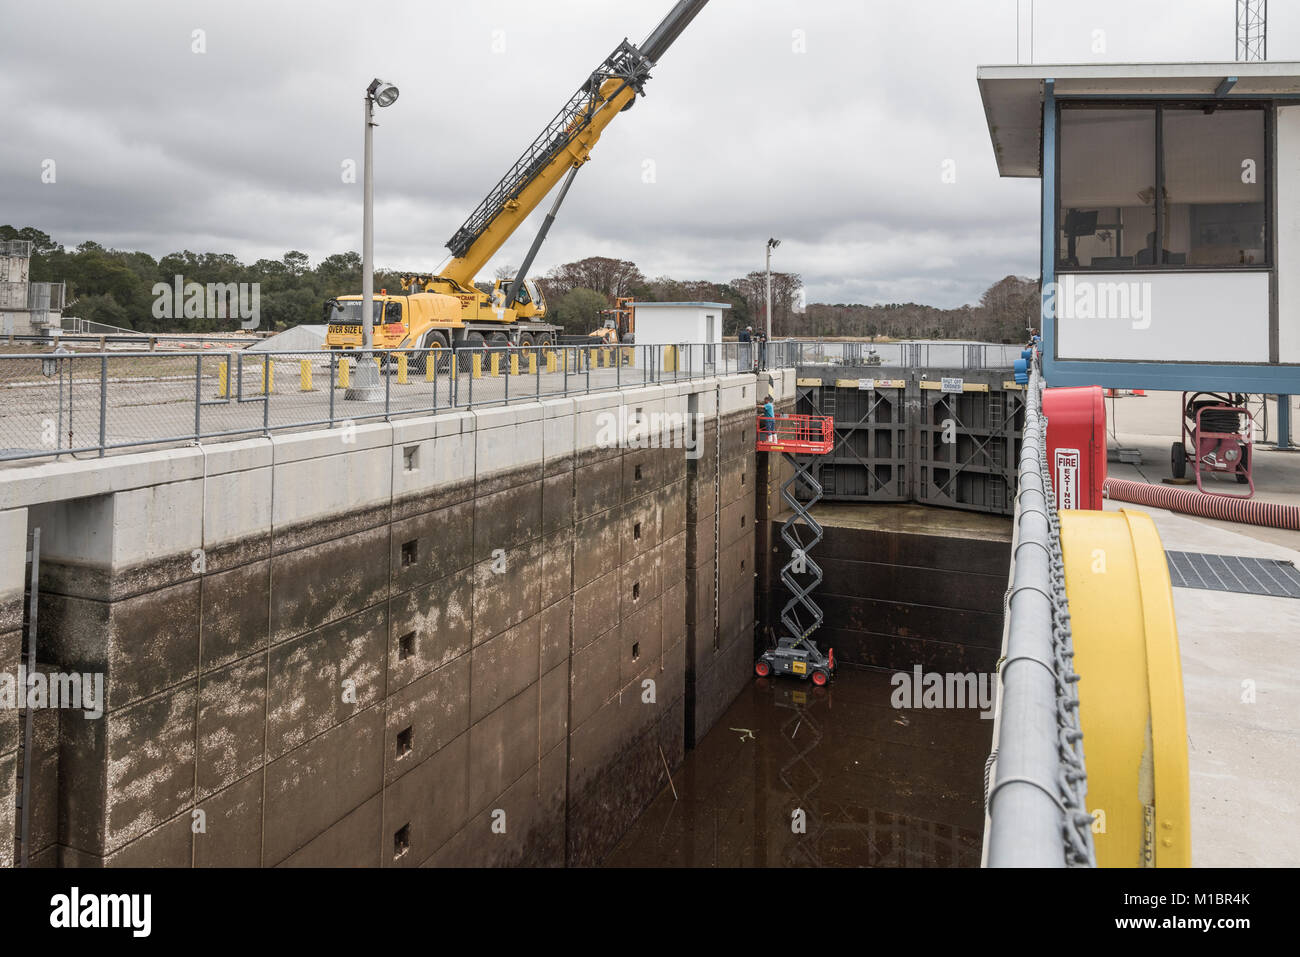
(333, 366)
(198, 396)
(103, 403)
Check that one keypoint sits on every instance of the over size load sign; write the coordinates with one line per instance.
(1066, 478)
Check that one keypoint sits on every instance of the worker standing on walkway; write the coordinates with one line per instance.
(746, 338)
(768, 424)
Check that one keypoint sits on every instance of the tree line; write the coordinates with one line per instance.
(115, 287)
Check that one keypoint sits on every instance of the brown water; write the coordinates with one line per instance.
(880, 787)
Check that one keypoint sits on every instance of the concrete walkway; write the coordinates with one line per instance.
(1241, 663)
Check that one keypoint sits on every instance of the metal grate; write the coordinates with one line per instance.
(1230, 573)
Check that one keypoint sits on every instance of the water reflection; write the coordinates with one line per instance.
(876, 787)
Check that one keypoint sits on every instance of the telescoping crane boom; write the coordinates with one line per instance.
(448, 308)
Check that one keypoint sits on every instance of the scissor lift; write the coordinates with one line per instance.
(802, 439)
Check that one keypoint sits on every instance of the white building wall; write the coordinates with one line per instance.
(674, 325)
(1176, 317)
(1288, 233)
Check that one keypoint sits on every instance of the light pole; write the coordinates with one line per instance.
(366, 387)
(771, 244)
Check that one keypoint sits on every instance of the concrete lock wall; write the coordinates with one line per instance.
(476, 638)
(13, 548)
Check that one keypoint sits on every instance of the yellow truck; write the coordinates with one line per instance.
(423, 318)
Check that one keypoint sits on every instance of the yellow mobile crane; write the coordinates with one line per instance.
(448, 310)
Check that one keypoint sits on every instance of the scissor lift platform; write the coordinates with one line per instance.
(801, 439)
(797, 434)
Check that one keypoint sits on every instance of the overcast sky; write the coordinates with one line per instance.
(838, 150)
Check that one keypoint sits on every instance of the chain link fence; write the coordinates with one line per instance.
(93, 404)
(1036, 782)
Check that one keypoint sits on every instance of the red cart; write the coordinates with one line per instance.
(1218, 438)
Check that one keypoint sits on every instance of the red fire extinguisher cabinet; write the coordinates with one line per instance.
(1076, 445)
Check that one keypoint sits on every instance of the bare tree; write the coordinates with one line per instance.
(613, 277)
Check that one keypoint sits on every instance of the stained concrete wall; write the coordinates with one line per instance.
(13, 550)
(369, 646)
(720, 556)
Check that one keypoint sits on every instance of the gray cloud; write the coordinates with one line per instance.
(838, 151)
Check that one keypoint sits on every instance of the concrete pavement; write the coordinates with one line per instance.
(1241, 668)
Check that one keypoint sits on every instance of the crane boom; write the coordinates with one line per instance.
(563, 145)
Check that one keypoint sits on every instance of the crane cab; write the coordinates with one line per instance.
(531, 304)
(344, 321)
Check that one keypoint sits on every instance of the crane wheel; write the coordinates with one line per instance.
(435, 342)
(820, 677)
(762, 669)
(525, 344)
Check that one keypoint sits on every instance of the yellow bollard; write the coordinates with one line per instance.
(305, 375)
(550, 361)
(268, 377)
(401, 369)
(514, 365)
(629, 354)
(496, 364)
(430, 366)
(477, 362)
(345, 374)
(591, 359)
(532, 363)
(379, 367)
(223, 381)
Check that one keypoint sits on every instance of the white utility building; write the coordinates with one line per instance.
(675, 325)
(678, 323)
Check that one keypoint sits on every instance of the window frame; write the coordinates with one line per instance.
(1159, 105)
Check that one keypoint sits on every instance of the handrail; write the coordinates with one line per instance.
(1036, 804)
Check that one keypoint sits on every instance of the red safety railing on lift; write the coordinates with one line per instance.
(796, 434)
